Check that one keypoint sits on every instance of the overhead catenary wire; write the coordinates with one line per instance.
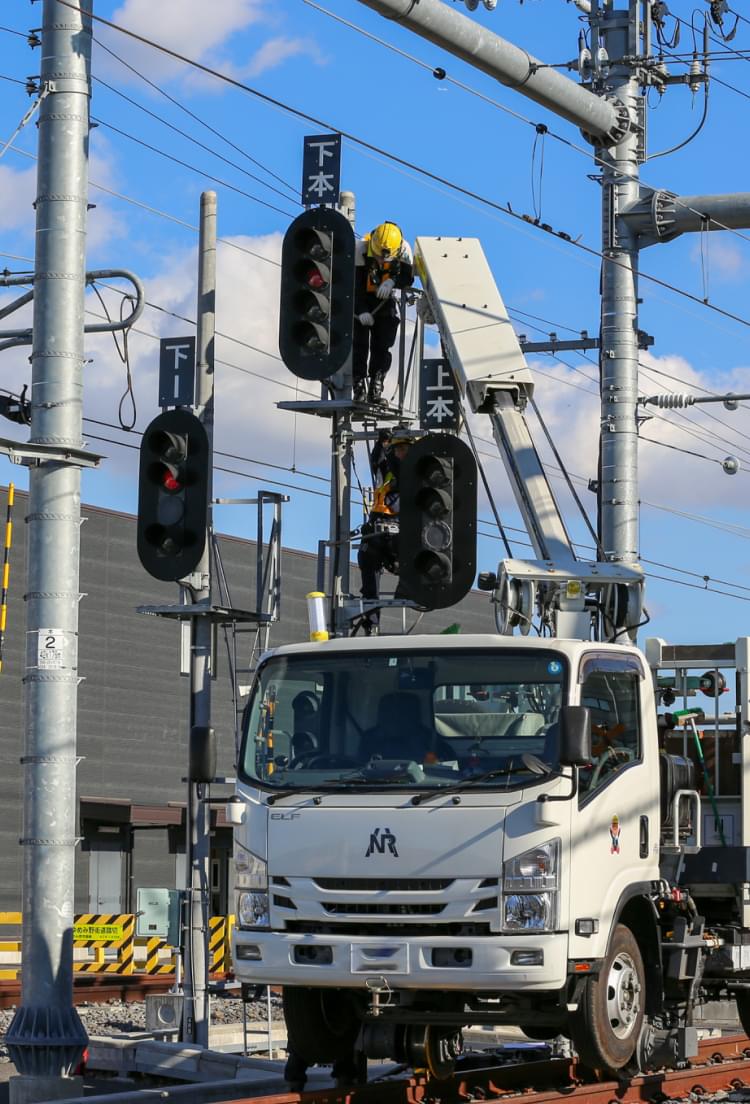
(505, 209)
(191, 138)
(323, 494)
(588, 152)
(186, 110)
(193, 168)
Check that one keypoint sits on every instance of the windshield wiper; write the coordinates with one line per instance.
(469, 783)
(287, 790)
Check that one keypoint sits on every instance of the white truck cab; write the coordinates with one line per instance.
(432, 833)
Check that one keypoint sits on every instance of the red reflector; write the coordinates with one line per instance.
(170, 483)
(582, 967)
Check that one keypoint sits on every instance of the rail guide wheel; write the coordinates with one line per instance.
(434, 1049)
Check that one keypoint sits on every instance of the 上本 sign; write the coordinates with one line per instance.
(321, 169)
(438, 396)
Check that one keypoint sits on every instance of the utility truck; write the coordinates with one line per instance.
(437, 831)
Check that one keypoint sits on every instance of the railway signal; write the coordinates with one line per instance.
(173, 495)
(316, 317)
(438, 521)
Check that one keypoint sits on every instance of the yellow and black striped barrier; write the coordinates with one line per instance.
(105, 932)
(154, 963)
(11, 947)
(6, 569)
(110, 940)
(220, 944)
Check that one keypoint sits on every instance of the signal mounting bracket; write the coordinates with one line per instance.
(31, 454)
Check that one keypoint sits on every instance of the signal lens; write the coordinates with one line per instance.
(315, 279)
(170, 483)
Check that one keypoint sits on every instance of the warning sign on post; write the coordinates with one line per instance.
(98, 931)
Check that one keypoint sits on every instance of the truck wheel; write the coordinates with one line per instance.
(607, 1024)
(322, 1024)
(742, 996)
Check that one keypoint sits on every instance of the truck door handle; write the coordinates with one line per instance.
(643, 847)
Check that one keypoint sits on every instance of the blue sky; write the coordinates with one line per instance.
(291, 51)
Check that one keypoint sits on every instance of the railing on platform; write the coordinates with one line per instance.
(106, 943)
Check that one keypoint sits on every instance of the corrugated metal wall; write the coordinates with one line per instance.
(133, 705)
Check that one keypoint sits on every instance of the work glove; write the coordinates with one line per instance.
(365, 318)
(385, 289)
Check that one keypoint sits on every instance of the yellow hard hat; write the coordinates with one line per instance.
(385, 240)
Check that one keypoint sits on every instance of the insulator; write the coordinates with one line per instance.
(672, 402)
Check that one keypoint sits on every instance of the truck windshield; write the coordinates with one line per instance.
(417, 719)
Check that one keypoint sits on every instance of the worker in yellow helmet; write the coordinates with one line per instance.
(384, 264)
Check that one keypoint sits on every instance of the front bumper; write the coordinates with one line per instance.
(405, 962)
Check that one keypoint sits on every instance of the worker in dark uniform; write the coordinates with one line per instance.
(379, 547)
(384, 264)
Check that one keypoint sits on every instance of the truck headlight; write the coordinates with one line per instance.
(252, 910)
(251, 882)
(530, 889)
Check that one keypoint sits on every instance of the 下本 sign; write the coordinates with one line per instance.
(438, 396)
(321, 169)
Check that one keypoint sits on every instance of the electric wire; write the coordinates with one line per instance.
(194, 169)
(159, 213)
(197, 118)
(589, 153)
(505, 209)
(646, 369)
(195, 141)
(323, 494)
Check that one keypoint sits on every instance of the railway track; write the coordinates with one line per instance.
(98, 988)
(722, 1064)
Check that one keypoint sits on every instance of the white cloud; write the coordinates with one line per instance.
(724, 259)
(277, 50)
(182, 24)
(17, 192)
(247, 420)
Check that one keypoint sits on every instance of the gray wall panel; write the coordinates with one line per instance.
(133, 705)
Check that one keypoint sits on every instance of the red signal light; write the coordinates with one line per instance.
(170, 483)
(315, 279)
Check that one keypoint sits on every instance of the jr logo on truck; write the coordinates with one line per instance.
(380, 842)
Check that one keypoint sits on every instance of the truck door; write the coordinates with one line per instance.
(615, 825)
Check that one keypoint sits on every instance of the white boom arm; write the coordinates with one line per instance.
(463, 300)
(493, 376)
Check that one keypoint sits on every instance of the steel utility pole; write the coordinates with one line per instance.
(198, 826)
(618, 352)
(611, 114)
(46, 1037)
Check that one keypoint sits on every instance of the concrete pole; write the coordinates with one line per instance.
(197, 1009)
(46, 1037)
(619, 313)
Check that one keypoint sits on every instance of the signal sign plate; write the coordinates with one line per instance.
(321, 169)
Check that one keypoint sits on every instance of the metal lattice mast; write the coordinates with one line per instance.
(46, 1037)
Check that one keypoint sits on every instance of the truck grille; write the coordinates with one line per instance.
(367, 906)
(384, 885)
(383, 910)
(382, 928)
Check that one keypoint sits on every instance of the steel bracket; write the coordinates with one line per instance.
(32, 455)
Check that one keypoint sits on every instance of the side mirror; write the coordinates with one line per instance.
(575, 736)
